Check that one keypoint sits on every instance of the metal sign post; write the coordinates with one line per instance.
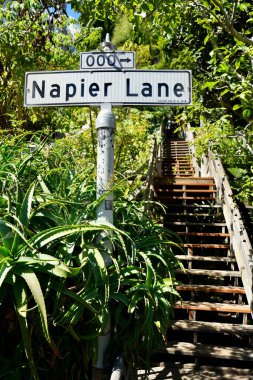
(105, 124)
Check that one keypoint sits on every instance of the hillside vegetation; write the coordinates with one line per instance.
(56, 293)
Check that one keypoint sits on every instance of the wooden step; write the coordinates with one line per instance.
(185, 182)
(189, 214)
(169, 198)
(171, 145)
(179, 165)
(206, 258)
(199, 206)
(196, 224)
(204, 234)
(176, 154)
(189, 371)
(210, 289)
(183, 154)
(209, 306)
(168, 157)
(177, 171)
(201, 350)
(179, 168)
(176, 149)
(209, 272)
(178, 141)
(172, 174)
(194, 191)
(197, 217)
(176, 145)
(177, 159)
(206, 246)
(212, 327)
(169, 167)
(193, 181)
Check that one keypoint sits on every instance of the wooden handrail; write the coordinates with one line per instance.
(240, 244)
(239, 240)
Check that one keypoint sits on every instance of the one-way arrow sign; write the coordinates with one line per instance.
(127, 60)
(114, 60)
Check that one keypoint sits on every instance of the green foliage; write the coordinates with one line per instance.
(132, 141)
(212, 38)
(37, 36)
(53, 272)
(209, 37)
(52, 263)
(122, 31)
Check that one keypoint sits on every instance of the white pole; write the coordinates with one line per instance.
(105, 125)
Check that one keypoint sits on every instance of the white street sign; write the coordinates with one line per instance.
(114, 60)
(136, 87)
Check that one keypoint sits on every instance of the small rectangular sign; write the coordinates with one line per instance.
(99, 60)
(131, 87)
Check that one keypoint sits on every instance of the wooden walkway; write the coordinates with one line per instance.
(190, 372)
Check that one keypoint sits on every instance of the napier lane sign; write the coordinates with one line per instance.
(114, 60)
(128, 87)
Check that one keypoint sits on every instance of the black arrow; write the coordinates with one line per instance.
(125, 60)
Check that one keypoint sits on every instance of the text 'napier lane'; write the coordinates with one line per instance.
(128, 87)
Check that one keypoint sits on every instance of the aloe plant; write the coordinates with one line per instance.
(28, 254)
(52, 270)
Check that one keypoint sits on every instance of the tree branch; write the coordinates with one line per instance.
(234, 11)
(209, 10)
(228, 26)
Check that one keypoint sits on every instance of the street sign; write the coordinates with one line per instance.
(130, 87)
(114, 60)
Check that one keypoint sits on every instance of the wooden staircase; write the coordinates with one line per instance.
(212, 323)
